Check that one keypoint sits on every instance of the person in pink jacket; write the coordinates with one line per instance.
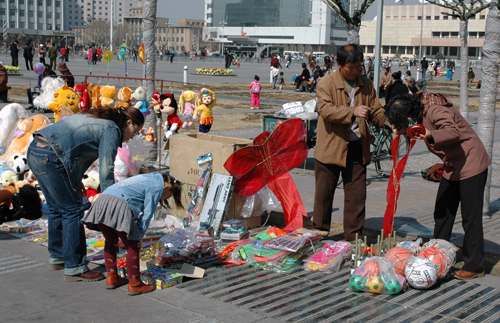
(255, 88)
(450, 137)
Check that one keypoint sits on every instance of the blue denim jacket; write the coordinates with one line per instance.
(142, 193)
(79, 140)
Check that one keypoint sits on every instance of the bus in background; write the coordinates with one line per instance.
(295, 54)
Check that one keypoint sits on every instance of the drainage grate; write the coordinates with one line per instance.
(9, 264)
(316, 297)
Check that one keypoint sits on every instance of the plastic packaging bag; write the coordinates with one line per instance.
(438, 258)
(449, 249)
(413, 246)
(139, 150)
(311, 106)
(194, 207)
(263, 201)
(376, 275)
(398, 257)
(329, 258)
(294, 240)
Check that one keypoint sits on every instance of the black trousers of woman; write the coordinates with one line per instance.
(470, 193)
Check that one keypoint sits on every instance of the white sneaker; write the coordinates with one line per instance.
(251, 108)
(257, 108)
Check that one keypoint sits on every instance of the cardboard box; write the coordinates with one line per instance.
(184, 152)
(233, 236)
(161, 278)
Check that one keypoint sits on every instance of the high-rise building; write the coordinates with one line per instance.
(79, 13)
(299, 25)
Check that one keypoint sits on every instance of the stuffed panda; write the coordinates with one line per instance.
(20, 165)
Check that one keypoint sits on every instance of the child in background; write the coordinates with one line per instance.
(282, 80)
(124, 211)
(255, 88)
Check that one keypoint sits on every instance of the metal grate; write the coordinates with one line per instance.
(316, 297)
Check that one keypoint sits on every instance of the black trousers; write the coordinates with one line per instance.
(15, 61)
(42, 60)
(354, 179)
(470, 193)
(29, 63)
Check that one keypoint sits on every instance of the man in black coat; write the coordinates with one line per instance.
(28, 56)
(14, 53)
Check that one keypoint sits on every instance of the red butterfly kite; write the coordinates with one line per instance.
(268, 162)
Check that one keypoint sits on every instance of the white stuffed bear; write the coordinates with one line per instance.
(92, 183)
(8, 120)
(8, 178)
(49, 88)
(142, 104)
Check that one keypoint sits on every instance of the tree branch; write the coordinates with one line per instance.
(336, 6)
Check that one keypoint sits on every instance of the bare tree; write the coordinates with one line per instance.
(463, 11)
(353, 22)
(489, 90)
(149, 31)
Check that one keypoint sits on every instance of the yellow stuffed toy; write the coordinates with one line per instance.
(95, 96)
(108, 96)
(65, 97)
(124, 96)
(204, 105)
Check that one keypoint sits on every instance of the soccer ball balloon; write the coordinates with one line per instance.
(439, 258)
(38, 68)
(357, 283)
(398, 256)
(393, 286)
(421, 273)
(448, 248)
(374, 285)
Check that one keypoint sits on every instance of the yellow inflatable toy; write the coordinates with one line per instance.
(65, 97)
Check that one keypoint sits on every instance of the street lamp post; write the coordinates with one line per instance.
(169, 24)
(222, 23)
(421, 33)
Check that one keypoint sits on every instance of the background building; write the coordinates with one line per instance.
(79, 13)
(273, 25)
(401, 32)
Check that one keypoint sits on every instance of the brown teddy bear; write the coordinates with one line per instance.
(124, 96)
(108, 96)
(95, 91)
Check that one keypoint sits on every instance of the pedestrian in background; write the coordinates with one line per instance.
(52, 53)
(14, 53)
(255, 88)
(41, 54)
(28, 56)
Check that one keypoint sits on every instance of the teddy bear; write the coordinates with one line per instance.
(108, 96)
(173, 123)
(95, 95)
(157, 106)
(186, 107)
(65, 96)
(149, 136)
(205, 104)
(124, 96)
(25, 203)
(83, 93)
(8, 119)
(141, 104)
(92, 184)
(23, 134)
(8, 177)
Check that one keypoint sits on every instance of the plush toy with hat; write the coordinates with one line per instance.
(124, 96)
(141, 104)
(65, 96)
(204, 106)
(169, 106)
(157, 105)
(83, 93)
(108, 96)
